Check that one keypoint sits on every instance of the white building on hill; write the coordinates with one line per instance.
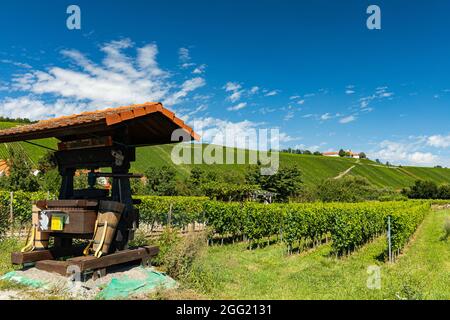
(336, 154)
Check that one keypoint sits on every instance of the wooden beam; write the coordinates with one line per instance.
(50, 254)
(55, 266)
(91, 263)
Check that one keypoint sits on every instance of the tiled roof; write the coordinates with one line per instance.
(107, 118)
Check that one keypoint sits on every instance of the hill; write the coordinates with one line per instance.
(314, 168)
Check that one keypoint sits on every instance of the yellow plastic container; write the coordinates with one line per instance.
(57, 223)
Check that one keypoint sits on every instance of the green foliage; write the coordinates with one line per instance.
(4, 217)
(405, 221)
(20, 173)
(47, 162)
(156, 210)
(50, 181)
(285, 183)
(227, 191)
(22, 204)
(314, 168)
(226, 219)
(443, 191)
(425, 189)
(343, 153)
(355, 224)
(350, 225)
(182, 253)
(422, 190)
(347, 189)
(161, 181)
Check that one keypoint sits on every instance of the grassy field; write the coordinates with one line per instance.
(422, 272)
(314, 168)
(233, 272)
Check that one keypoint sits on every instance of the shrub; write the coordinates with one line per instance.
(161, 181)
(422, 190)
(347, 189)
(155, 210)
(181, 253)
(228, 192)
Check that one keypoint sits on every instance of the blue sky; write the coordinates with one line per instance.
(310, 68)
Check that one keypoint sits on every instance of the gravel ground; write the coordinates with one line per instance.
(61, 286)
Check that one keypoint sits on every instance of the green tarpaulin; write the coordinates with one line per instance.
(125, 287)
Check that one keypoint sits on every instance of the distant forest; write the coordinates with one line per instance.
(18, 120)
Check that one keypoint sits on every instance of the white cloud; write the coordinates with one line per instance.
(16, 63)
(187, 86)
(184, 55)
(200, 69)
(254, 89)
(237, 107)
(289, 116)
(347, 119)
(33, 108)
(405, 152)
(271, 93)
(380, 93)
(119, 79)
(326, 116)
(439, 141)
(423, 158)
(348, 91)
(235, 90)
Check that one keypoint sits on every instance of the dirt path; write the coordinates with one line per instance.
(340, 175)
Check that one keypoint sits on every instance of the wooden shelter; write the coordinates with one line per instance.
(93, 140)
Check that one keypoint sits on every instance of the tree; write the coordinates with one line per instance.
(342, 153)
(47, 162)
(285, 183)
(362, 155)
(20, 176)
(161, 181)
(317, 153)
(422, 190)
(307, 152)
(444, 191)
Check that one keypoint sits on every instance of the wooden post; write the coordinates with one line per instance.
(11, 211)
(169, 216)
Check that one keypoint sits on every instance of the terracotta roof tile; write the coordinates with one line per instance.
(110, 116)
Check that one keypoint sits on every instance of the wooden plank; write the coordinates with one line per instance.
(92, 263)
(50, 254)
(54, 266)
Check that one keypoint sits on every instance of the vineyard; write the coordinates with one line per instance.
(297, 225)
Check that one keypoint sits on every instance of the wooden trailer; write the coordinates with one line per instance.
(93, 140)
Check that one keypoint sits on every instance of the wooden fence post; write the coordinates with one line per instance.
(11, 211)
(169, 218)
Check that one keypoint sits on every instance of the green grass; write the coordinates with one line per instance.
(314, 168)
(7, 246)
(422, 272)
